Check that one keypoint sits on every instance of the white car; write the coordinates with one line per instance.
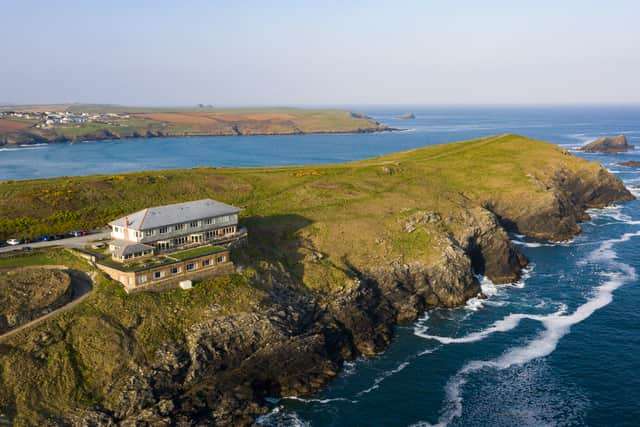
(13, 242)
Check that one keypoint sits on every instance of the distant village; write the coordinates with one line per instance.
(48, 119)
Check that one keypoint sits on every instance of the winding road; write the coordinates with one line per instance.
(82, 286)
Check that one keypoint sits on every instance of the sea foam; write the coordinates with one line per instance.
(556, 326)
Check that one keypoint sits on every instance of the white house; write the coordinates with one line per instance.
(172, 227)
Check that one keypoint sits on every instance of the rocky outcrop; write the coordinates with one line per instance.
(608, 144)
(556, 215)
(630, 163)
(407, 116)
(221, 370)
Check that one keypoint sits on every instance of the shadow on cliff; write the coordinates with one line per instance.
(275, 248)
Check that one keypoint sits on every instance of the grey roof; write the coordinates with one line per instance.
(124, 247)
(160, 216)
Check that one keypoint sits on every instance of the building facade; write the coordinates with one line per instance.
(171, 271)
(172, 227)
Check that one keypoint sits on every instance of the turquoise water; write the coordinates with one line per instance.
(561, 347)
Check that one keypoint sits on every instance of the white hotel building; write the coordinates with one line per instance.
(172, 227)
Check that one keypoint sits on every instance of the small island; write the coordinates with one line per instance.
(630, 163)
(407, 116)
(80, 122)
(608, 144)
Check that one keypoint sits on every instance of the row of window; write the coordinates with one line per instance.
(138, 254)
(193, 224)
(192, 266)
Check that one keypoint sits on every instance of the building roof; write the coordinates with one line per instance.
(124, 247)
(160, 216)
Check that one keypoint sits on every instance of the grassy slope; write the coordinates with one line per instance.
(351, 213)
(355, 209)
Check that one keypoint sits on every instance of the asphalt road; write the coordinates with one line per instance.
(70, 242)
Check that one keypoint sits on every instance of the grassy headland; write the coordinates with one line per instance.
(76, 122)
(336, 255)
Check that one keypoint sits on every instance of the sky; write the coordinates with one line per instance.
(258, 53)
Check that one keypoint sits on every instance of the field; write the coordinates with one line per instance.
(13, 125)
(148, 122)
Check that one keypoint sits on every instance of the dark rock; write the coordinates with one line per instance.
(608, 144)
(630, 163)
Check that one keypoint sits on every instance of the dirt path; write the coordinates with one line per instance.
(82, 284)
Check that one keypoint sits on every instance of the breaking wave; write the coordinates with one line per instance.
(556, 326)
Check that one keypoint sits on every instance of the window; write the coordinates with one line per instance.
(164, 230)
(194, 224)
(206, 262)
(221, 258)
(208, 221)
(175, 270)
(191, 267)
(142, 279)
(149, 233)
(158, 274)
(178, 227)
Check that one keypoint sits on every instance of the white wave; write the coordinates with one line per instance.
(277, 417)
(526, 275)
(556, 326)
(384, 376)
(21, 148)
(44, 144)
(322, 401)
(503, 325)
(634, 191)
(349, 368)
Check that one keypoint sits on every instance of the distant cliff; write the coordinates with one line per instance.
(105, 123)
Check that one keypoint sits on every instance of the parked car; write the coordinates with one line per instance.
(2, 243)
(84, 232)
(76, 233)
(60, 236)
(26, 241)
(13, 242)
(44, 238)
(26, 248)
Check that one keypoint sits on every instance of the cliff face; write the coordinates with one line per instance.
(402, 237)
(228, 366)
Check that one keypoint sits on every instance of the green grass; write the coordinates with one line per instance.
(196, 252)
(311, 226)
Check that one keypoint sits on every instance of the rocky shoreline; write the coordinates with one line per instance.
(225, 368)
(107, 135)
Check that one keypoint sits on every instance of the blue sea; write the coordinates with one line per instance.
(561, 347)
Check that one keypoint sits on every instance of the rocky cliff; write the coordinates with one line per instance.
(407, 235)
(608, 144)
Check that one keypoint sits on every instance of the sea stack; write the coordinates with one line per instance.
(608, 144)
(407, 116)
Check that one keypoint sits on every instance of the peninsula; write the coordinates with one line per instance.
(336, 256)
(78, 122)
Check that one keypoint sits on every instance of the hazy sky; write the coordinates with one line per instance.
(319, 52)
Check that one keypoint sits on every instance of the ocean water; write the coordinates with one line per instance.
(559, 348)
